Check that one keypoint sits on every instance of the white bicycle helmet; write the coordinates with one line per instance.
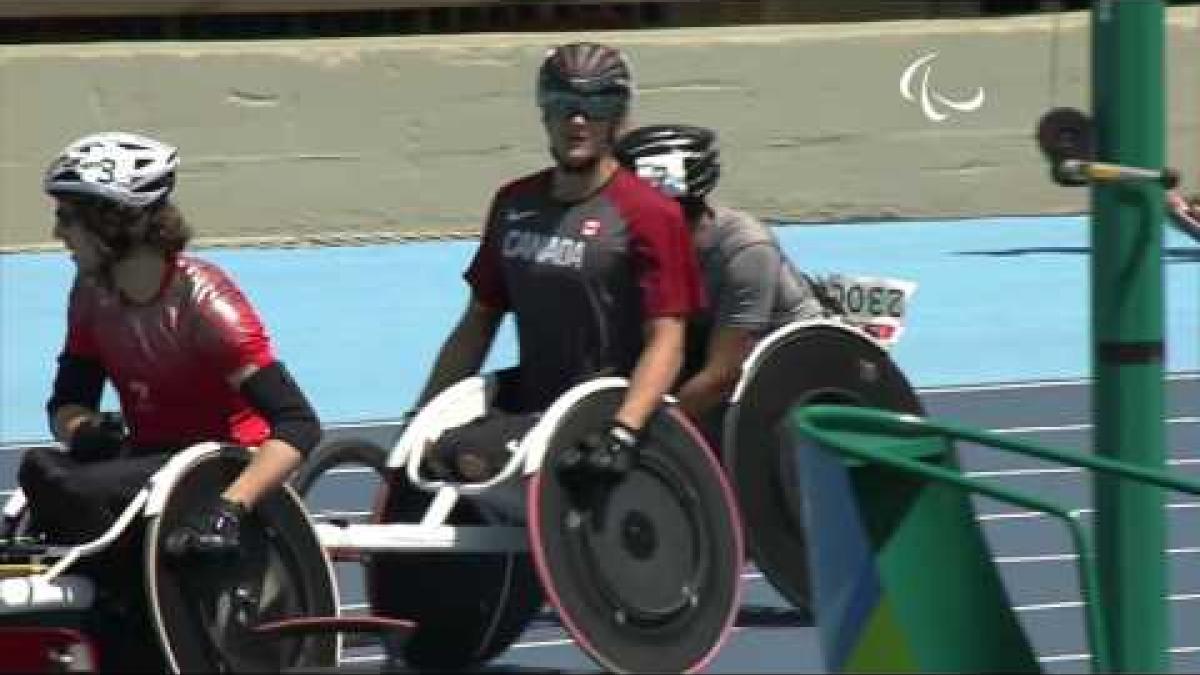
(681, 160)
(123, 168)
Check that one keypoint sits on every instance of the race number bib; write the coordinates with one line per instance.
(877, 305)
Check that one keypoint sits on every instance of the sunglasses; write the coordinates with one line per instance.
(594, 107)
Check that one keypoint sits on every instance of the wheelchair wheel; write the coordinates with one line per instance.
(468, 607)
(644, 570)
(340, 455)
(804, 364)
(205, 612)
(333, 480)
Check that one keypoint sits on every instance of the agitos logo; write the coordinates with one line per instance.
(932, 103)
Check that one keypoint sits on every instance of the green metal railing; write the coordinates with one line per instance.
(906, 443)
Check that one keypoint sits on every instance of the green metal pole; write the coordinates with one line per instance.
(1127, 327)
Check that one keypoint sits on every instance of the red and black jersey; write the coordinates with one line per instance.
(171, 359)
(582, 278)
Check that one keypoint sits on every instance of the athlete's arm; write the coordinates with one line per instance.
(230, 338)
(269, 468)
(1184, 214)
(463, 352)
(66, 421)
(78, 385)
(295, 430)
(655, 372)
(468, 344)
(728, 347)
(747, 295)
(80, 376)
(668, 273)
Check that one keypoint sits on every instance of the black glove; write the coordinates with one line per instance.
(610, 453)
(98, 438)
(213, 532)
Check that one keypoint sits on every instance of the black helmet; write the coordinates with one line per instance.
(585, 71)
(679, 159)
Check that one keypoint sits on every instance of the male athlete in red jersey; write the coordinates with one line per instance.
(595, 265)
(185, 351)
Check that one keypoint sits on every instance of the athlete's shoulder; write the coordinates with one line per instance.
(740, 227)
(86, 294)
(537, 182)
(215, 300)
(738, 219)
(208, 284)
(201, 271)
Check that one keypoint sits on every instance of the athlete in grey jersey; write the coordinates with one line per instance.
(752, 287)
(752, 284)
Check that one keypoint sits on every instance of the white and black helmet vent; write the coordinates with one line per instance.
(680, 160)
(119, 167)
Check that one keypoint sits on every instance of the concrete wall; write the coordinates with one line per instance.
(294, 138)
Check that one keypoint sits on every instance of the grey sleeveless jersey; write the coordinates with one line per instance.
(750, 281)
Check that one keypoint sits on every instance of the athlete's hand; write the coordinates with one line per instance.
(612, 452)
(213, 532)
(1186, 213)
(98, 438)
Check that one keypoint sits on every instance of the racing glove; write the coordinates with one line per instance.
(213, 533)
(98, 438)
(610, 453)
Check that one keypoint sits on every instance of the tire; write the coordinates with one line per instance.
(336, 454)
(203, 614)
(815, 364)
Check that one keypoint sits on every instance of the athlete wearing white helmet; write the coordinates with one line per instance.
(751, 285)
(117, 187)
(190, 361)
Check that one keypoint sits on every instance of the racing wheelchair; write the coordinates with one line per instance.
(453, 557)
(841, 360)
(274, 609)
(643, 571)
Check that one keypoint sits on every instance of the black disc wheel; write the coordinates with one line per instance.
(811, 364)
(205, 611)
(645, 569)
